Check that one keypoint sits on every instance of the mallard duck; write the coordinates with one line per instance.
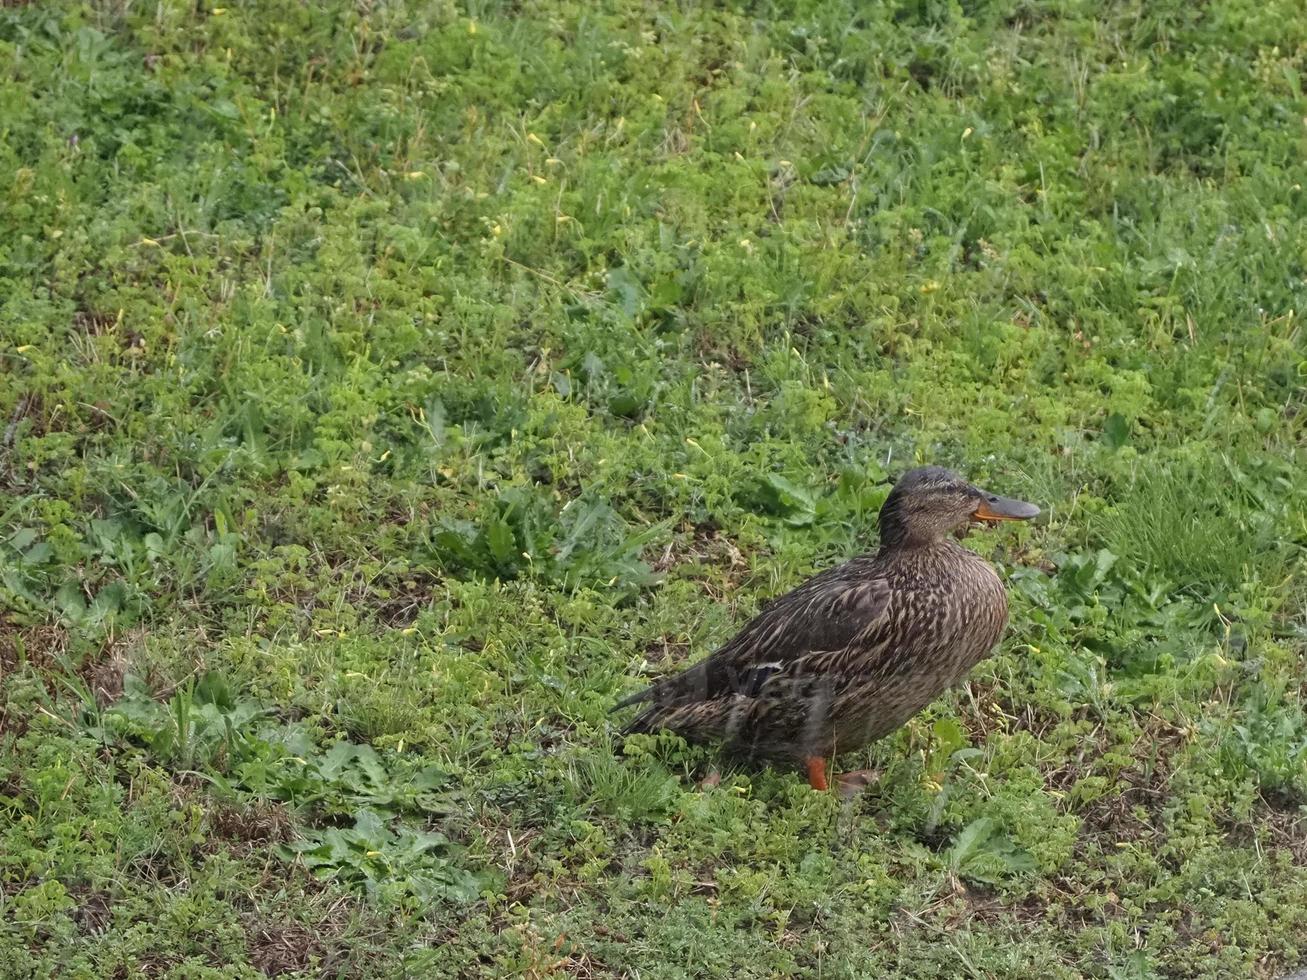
(854, 652)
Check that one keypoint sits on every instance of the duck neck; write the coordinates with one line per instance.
(897, 534)
(917, 546)
(901, 537)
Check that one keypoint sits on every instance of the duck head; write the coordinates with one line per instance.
(931, 502)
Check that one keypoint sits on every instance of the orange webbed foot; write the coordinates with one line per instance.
(817, 773)
(850, 784)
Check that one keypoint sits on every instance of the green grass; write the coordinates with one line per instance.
(389, 387)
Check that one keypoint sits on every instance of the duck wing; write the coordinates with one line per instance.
(824, 615)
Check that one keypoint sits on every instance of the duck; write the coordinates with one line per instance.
(854, 652)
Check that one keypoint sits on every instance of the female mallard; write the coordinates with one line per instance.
(852, 653)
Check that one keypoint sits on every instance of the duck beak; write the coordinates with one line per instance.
(994, 508)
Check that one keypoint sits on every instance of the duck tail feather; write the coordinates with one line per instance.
(639, 696)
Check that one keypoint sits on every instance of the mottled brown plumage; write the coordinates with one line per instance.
(853, 653)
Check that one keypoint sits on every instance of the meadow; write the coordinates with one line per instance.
(388, 387)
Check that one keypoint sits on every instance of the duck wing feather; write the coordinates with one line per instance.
(827, 615)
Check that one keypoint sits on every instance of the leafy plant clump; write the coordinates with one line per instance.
(206, 729)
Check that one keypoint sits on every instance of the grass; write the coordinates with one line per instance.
(389, 387)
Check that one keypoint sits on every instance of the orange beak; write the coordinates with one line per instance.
(994, 508)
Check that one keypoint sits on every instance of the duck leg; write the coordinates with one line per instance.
(817, 773)
(850, 784)
(846, 784)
